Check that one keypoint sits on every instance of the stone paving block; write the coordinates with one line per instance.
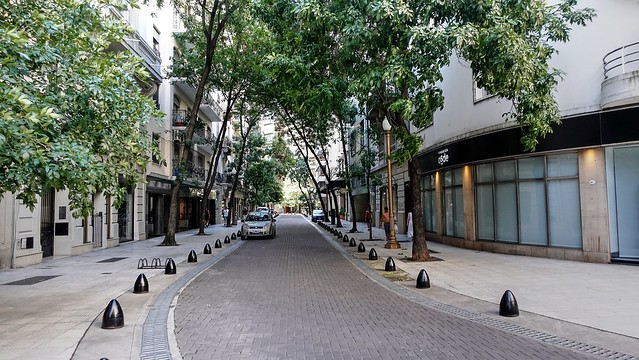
(303, 300)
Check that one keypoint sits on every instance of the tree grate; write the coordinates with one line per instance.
(32, 280)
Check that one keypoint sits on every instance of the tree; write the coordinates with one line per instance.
(262, 184)
(204, 21)
(73, 113)
(397, 51)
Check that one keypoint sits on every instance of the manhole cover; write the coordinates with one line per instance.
(32, 280)
(113, 259)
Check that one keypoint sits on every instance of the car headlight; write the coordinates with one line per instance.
(267, 226)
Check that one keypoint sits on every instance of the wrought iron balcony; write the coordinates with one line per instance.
(193, 171)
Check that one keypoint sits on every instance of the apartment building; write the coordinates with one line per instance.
(51, 230)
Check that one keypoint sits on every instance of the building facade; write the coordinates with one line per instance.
(27, 237)
(575, 196)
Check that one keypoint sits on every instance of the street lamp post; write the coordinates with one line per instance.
(234, 205)
(392, 242)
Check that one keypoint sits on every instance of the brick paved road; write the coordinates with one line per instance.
(296, 297)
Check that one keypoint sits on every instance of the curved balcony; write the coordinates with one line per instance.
(621, 77)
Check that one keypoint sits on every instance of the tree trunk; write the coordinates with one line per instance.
(169, 237)
(336, 211)
(420, 249)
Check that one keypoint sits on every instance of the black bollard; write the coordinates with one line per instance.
(352, 243)
(227, 240)
(207, 249)
(113, 317)
(141, 285)
(345, 238)
(169, 267)
(192, 257)
(218, 244)
(508, 305)
(239, 232)
(233, 237)
(390, 264)
(361, 247)
(339, 234)
(372, 255)
(423, 281)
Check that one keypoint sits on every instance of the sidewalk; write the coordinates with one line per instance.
(597, 303)
(47, 320)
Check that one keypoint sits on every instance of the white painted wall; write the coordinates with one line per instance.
(579, 92)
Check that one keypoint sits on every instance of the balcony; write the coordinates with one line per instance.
(193, 171)
(180, 118)
(211, 110)
(137, 45)
(621, 77)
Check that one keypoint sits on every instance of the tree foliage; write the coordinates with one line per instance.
(72, 112)
(392, 53)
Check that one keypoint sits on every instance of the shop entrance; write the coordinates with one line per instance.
(626, 193)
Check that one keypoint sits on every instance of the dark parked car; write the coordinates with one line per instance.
(318, 215)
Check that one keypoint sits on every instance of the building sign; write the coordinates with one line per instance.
(443, 157)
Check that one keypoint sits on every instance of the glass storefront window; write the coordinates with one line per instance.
(429, 202)
(532, 201)
(453, 203)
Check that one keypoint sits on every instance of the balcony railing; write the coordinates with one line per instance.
(193, 171)
(621, 60)
(181, 118)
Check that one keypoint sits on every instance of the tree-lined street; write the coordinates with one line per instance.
(297, 297)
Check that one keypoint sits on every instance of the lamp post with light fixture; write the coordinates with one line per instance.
(392, 242)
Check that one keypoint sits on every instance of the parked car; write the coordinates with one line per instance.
(262, 209)
(318, 215)
(258, 224)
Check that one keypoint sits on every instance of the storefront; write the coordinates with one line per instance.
(575, 198)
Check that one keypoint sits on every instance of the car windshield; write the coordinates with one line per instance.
(317, 212)
(258, 217)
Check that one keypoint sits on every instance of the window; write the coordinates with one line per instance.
(533, 201)
(453, 203)
(479, 93)
(155, 142)
(429, 202)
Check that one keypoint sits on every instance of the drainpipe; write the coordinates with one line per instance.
(14, 239)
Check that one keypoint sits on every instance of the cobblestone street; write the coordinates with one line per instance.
(297, 297)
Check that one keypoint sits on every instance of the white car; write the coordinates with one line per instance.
(262, 209)
(258, 224)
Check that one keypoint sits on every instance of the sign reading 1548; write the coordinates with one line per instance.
(442, 157)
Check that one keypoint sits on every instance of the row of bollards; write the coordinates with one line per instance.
(113, 316)
(507, 306)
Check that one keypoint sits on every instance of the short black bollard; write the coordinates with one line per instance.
(169, 267)
(141, 285)
(423, 281)
(345, 238)
(233, 237)
(339, 234)
(352, 243)
(361, 247)
(218, 244)
(390, 264)
(227, 240)
(239, 232)
(192, 257)
(372, 255)
(207, 249)
(508, 305)
(113, 317)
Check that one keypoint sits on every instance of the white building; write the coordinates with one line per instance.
(576, 196)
